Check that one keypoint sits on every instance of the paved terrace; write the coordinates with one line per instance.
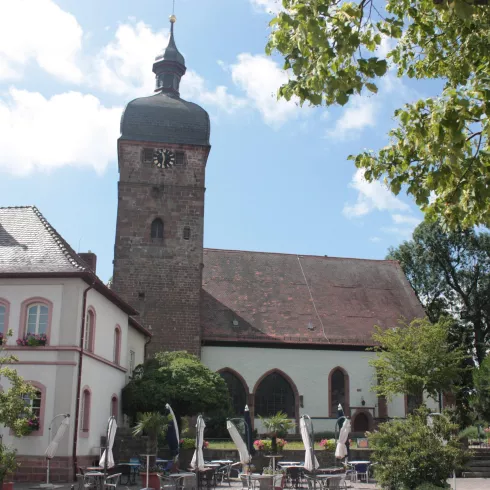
(461, 484)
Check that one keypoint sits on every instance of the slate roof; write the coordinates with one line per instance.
(267, 294)
(164, 118)
(31, 247)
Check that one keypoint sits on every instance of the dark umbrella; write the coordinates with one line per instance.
(173, 435)
(248, 432)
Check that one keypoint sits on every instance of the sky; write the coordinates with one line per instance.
(277, 178)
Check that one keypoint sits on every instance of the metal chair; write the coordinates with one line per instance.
(293, 476)
(336, 482)
(169, 483)
(223, 474)
(247, 482)
(112, 481)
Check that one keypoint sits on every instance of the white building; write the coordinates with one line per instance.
(46, 288)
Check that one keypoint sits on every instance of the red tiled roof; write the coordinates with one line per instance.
(267, 294)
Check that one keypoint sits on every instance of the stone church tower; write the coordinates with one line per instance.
(158, 255)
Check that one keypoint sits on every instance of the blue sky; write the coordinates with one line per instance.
(277, 178)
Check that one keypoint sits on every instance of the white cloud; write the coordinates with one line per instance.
(375, 239)
(124, 66)
(400, 231)
(39, 31)
(371, 196)
(269, 6)
(404, 219)
(359, 114)
(260, 78)
(67, 129)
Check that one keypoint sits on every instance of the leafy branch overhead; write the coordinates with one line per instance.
(439, 149)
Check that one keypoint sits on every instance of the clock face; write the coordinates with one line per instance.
(163, 158)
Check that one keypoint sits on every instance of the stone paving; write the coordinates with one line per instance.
(461, 484)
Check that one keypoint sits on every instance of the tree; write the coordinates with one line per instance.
(440, 148)
(14, 413)
(410, 453)
(177, 378)
(153, 424)
(450, 274)
(416, 358)
(277, 425)
(480, 398)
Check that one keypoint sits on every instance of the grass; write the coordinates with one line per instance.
(290, 446)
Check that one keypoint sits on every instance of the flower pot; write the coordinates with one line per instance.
(153, 480)
(7, 485)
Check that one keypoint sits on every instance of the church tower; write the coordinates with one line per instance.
(162, 155)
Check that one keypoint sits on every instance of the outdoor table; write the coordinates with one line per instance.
(289, 463)
(158, 460)
(222, 461)
(94, 468)
(212, 465)
(133, 470)
(98, 476)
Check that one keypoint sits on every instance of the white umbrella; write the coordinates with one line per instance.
(197, 462)
(53, 445)
(341, 449)
(107, 459)
(239, 443)
(311, 462)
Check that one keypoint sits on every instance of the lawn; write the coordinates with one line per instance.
(290, 446)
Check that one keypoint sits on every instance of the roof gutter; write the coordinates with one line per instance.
(79, 381)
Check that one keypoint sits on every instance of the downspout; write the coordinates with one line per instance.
(79, 382)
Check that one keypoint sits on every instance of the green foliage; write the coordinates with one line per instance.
(409, 453)
(8, 463)
(450, 274)
(480, 398)
(13, 411)
(440, 147)
(177, 378)
(472, 433)
(216, 423)
(188, 443)
(416, 358)
(153, 425)
(278, 424)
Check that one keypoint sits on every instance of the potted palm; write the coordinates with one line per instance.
(151, 424)
(277, 425)
(8, 465)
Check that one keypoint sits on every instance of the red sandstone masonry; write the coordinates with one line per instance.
(168, 273)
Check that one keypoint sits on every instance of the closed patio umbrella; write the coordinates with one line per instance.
(197, 463)
(53, 445)
(306, 429)
(107, 459)
(341, 449)
(173, 439)
(248, 432)
(239, 443)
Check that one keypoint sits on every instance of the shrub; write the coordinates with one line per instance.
(471, 433)
(328, 444)
(409, 453)
(8, 463)
(266, 444)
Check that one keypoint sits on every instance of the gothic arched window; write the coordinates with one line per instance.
(238, 397)
(273, 395)
(337, 391)
(157, 229)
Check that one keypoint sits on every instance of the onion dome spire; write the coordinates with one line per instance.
(169, 67)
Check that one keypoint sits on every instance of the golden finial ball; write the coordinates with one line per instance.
(172, 19)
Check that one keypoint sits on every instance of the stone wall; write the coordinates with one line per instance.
(161, 278)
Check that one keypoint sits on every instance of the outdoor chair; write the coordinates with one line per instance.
(112, 481)
(359, 471)
(85, 483)
(170, 483)
(336, 482)
(248, 483)
(293, 476)
(223, 474)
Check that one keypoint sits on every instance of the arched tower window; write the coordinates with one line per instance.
(274, 394)
(338, 391)
(157, 229)
(238, 397)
